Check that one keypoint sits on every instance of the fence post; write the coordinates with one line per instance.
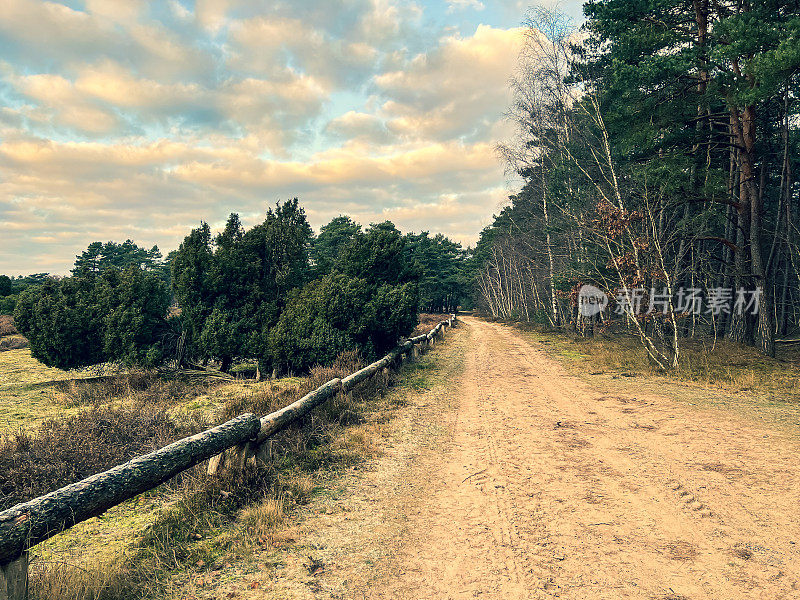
(263, 454)
(14, 579)
(233, 459)
(347, 396)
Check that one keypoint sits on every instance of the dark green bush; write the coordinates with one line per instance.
(6, 285)
(339, 313)
(62, 322)
(7, 304)
(115, 316)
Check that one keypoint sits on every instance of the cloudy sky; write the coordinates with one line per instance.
(132, 119)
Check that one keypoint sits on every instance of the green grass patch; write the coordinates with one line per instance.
(26, 390)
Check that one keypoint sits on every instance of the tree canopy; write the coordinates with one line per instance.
(274, 293)
(100, 256)
(657, 149)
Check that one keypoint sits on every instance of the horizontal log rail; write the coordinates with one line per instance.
(232, 444)
(32, 522)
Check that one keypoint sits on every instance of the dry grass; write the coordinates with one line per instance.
(31, 393)
(26, 390)
(13, 342)
(7, 325)
(109, 420)
(427, 321)
(59, 580)
(211, 522)
(62, 451)
(722, 364)
(262, 518)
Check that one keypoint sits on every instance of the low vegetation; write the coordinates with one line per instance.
(723, 364)
(7, 326)
(195, 525)
(117, 418)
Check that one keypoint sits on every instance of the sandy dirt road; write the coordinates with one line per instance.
(509, 478)
(551, 489)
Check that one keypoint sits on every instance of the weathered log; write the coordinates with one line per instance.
(351, 381)
(274, 422)
(27, 524)
(251, 452)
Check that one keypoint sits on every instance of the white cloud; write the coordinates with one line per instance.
(118, 11)
(458, 88)
(454, 5)
(57, 100)
(264, 45)
(51, 35)
(137, 119)
(120, 88)
(359, 127)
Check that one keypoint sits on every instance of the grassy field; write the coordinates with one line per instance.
(28, 390)
(195, 527)
(721, 374)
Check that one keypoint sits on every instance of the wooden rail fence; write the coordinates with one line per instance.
(231, 445)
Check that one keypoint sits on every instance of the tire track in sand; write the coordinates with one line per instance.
(551, 489)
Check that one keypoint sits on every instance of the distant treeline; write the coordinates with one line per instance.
(11, 287)
(275, 294)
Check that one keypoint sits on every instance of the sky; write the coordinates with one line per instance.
(132, 119)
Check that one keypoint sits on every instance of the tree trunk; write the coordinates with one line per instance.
(550, 269)
(745, 129)
(738, 320)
